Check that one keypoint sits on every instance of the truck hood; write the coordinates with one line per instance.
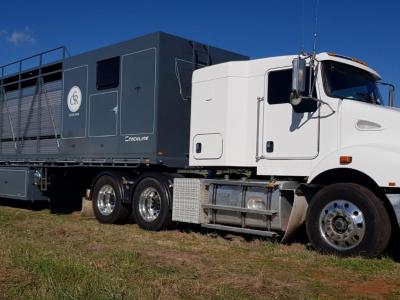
(364, 123)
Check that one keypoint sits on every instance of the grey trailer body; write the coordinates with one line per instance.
(121, 105)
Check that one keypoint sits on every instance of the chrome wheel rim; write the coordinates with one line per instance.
(106, 199)
(149, 204)
(342, 224)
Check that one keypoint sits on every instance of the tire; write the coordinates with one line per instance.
(151, 208)
(347, 219)
(107, 201)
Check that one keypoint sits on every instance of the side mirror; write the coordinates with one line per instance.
(298, 80)
(299, 75)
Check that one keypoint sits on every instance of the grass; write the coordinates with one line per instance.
(45, 256)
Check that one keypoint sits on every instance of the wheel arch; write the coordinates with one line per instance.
(338, 175)
(344, 175)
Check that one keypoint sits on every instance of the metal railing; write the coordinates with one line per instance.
(40, 56)
(7, 80)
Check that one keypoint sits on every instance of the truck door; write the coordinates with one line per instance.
(290, 132)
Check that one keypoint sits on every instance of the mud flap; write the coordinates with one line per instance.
(87, 208)
(394, 199)
(297, 217)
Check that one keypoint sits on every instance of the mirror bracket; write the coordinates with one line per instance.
(295, 98)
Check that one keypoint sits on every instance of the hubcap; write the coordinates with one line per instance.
(149, 204)
(106, 200)
(342, 224)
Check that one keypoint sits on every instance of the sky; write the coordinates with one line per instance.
(368, 30)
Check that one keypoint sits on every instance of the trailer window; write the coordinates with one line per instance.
(107, 73)
(183, 72)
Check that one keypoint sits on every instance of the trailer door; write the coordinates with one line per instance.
(138, 92)
(290, 132)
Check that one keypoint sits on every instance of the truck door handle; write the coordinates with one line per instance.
(270, 146)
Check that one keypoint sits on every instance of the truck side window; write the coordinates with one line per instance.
(280, 88)
(107, 73)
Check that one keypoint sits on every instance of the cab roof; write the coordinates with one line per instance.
(258, 67)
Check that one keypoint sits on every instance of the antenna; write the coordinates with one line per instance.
(314, 53)
(302, 29)
(315, 28)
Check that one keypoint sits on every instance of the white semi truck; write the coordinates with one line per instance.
(328, 159)
(162, 129)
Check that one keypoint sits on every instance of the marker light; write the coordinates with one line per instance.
(359, 61)
(348, 58)
(345, 160)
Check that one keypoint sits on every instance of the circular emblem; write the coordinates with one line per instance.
(74, 99)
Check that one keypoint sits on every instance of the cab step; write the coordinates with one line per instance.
(241, 230)
(240, 209)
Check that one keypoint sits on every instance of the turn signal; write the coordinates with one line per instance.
(392, 183)
(345, 160)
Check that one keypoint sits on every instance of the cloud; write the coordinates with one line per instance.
(18, 37)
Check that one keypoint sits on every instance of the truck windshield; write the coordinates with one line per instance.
(347, 82)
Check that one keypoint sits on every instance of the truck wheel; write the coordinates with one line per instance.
(150, 205)
(107, 201)
(347, 219)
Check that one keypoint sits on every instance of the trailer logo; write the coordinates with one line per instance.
(136, 138)
(74, 99)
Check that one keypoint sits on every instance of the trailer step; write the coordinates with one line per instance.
(240, 209)
(241, 230)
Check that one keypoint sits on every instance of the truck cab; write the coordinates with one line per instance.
(337, 138)
(251, 117)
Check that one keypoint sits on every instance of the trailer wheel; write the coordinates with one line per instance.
(347, 219)
(150, 205)
(107, 201)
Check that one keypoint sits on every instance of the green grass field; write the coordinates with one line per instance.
(45, 256)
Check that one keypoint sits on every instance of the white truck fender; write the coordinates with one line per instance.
(379, 162)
